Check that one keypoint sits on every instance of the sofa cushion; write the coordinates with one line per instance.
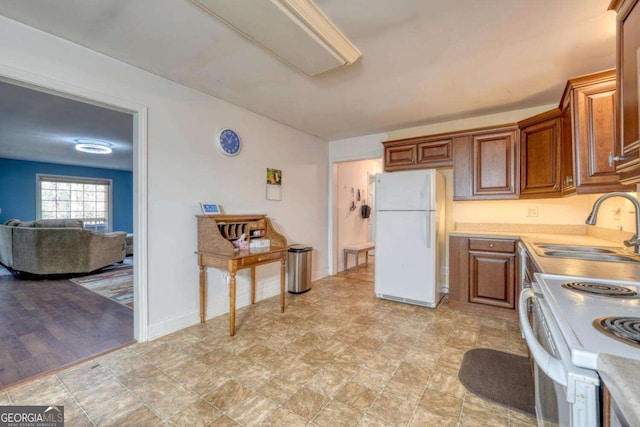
(26, 224)
(57, 223)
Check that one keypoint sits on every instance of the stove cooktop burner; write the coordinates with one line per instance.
(601, 289)
(625, 329)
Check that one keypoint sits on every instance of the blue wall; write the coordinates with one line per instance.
(18, 189)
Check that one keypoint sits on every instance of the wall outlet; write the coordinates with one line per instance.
(532, 212)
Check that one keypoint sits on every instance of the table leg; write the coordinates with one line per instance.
(232, 304)
(344, 255)
(357, 259)
(366, 257)
(203, 293)
(283, 259)
(253, 285)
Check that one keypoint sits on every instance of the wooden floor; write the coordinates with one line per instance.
(48, 324)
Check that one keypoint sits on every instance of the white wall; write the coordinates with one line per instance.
(615, 213)
(352, 228)
(572, 210)
(357, 148)
(184, 169)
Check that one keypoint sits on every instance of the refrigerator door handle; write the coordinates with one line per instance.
(427, 223)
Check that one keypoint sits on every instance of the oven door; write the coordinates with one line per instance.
(564, 395)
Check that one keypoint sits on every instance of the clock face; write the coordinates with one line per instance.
(228, 142)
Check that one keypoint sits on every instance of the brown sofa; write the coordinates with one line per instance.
(58, 247)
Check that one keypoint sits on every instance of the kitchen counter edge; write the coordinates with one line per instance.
(618, 374)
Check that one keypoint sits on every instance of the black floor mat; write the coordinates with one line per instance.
(500, 377)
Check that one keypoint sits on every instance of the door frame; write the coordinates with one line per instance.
(140, 185)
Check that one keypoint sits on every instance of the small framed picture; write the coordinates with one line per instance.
(210, 208)
(274, 184)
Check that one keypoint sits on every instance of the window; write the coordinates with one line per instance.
(65, 197)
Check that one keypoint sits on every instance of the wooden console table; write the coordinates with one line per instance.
(215, 249)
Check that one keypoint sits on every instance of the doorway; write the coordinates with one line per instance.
(354, 186)
(137, 182)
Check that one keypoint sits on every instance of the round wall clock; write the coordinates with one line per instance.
(228, 142)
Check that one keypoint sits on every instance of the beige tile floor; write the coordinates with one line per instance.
(337, 357)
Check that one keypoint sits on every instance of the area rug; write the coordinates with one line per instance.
(114, 284)
(500, 377)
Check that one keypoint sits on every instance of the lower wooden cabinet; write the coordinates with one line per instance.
(482, 274)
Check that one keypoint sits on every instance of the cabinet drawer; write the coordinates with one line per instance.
(492, 245)
(399, 156)
(435, 153)
(259, 258)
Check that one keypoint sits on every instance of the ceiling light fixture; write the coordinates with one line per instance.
(93, 146)
(295, 31)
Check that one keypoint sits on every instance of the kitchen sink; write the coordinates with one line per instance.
(576, 248)
(591, 253)
(593, 256)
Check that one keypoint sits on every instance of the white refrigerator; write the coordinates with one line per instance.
(409, 236)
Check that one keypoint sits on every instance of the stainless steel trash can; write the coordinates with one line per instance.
(299, 268)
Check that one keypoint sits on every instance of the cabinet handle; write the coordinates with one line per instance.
(568, 180)
(490, 245)
(613, 158)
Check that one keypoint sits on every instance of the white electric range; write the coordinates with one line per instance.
(565, 344)
(576, 310)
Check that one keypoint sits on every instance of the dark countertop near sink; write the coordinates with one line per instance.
(621, 377)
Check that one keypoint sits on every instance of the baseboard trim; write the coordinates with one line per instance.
(215, 308)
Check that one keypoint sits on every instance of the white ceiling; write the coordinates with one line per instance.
(424, 61)
(43, 127)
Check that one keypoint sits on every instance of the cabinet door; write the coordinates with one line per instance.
(594, 110)
(399, 156)
(540, 156)
(627, 120)
(435, 153)
(567, 172)
(494, 165)
(418, 153)
(492, 279)
(485, 166)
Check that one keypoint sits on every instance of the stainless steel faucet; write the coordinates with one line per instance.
(593, 216)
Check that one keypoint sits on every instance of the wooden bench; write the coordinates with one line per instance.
(356, 249)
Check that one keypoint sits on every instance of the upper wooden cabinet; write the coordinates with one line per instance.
(418, 153)
(627, 154)
(567, 171)
(485, 164)
(589, 109)
(540, 155)
(399, 156)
